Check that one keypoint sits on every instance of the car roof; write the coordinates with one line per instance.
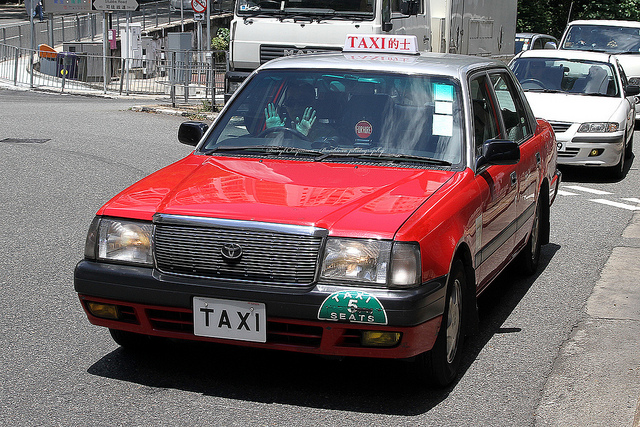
(443, 64)
(607, 22)
(533, 35)
(566, 54)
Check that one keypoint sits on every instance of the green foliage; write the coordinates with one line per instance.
(551, 16)
(221, 40)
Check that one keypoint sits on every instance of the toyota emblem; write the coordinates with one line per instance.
(231, 251)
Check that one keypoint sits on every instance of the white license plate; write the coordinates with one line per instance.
(235, 320)
(562, 146)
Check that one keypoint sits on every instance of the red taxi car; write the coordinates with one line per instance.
(348, 204)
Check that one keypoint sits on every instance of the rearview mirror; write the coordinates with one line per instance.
(191, 133)
(631, 90)
(499, 152)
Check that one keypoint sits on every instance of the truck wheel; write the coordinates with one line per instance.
(529, 258)
(443, 360)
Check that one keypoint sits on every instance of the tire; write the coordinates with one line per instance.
(442, 362)
(628, 151)
(618, 170)
(529, 258)
(130, 340)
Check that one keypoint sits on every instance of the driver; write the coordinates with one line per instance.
(295, 112)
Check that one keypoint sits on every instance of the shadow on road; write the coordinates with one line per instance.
(355, 385)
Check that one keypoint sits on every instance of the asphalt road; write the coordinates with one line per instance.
(70, 154)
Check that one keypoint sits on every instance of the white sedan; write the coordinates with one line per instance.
(587, 99)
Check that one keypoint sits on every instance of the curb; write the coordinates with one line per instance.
(182, 112)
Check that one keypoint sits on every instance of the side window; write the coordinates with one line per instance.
(514, 115)
(539, 43)
(485, 120)
(623, 76)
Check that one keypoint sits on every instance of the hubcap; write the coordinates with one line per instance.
(453, 320)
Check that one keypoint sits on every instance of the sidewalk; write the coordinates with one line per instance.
(595, 380)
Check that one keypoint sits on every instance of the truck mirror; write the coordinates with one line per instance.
(386, 16)
(409, 7)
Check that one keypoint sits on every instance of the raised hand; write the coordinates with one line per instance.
(272, 119)
(308, 119)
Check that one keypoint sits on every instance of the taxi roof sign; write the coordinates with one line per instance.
(380, 43)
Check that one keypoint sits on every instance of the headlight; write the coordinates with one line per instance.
(598, 127)
(377, 262)
(119, 240)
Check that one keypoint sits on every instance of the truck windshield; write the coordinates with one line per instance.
(344, 116)
(313, 8)
(564, 75)
(610, 39)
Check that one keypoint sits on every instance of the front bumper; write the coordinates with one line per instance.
(157, 304)
(579, 150)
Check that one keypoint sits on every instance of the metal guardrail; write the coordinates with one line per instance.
(184, 75)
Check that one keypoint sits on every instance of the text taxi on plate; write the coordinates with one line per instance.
(347, 204)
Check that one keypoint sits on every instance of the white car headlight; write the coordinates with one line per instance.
(377, 262)
(119, 240)
(598, 127)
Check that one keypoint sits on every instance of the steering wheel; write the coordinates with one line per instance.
(283, 129)
(534, 81)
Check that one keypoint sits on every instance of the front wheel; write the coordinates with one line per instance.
(442, 362)
(130, 340)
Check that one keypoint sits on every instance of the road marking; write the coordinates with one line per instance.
(587, 190)
(616, 204)
(631, 199)
(566, 193)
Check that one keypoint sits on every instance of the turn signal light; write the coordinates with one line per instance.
(380, 338)
(104, 311)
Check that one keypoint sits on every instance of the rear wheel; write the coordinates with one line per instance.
(442, 362)
(530, 255)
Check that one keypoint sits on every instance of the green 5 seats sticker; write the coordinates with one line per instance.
(353, 307)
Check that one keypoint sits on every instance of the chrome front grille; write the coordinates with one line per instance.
(270, 253)
(559, 127)
(269, 52)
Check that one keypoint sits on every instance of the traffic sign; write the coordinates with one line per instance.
(199, 6)
(126, 5)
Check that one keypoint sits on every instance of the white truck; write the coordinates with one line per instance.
(266, 29)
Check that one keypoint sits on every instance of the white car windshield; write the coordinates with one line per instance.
(340, 115)
(603, 38)
(310, 9)
(565, 75)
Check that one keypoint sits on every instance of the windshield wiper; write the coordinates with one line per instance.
(383, 157)
(264, 149)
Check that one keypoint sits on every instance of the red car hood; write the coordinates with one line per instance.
(349, 200)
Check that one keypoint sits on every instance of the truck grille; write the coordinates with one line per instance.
(269, 52)
(195, 247)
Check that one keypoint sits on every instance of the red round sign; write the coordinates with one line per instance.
(199, 6)
(364, 129)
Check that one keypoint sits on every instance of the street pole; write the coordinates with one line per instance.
(33, 46)
(104, 50)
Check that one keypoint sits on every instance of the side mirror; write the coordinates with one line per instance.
(191, 133)
(550, 45)
(409, 7)
(499, 152)
(631, 90)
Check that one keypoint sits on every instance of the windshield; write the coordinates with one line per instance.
(343, 116)
(522, 43)
(603, 38)
(564, 75)
(313, 8)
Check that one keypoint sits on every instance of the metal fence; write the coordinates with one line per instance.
(59, 29)
(179, 75)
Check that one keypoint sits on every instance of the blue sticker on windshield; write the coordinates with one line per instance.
(442, 92)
